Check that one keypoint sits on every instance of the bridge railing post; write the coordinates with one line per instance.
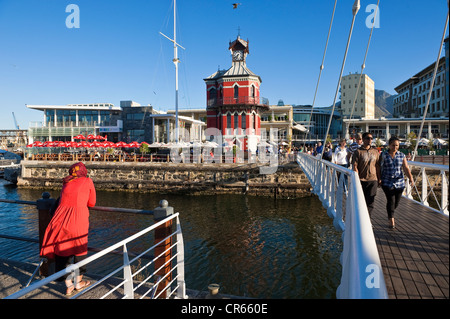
(163, 253)
(44, 205)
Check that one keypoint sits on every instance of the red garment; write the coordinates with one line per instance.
(67, 232)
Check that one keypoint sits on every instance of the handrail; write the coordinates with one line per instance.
(128, 291)
(427, 192)
(362, 275)
(97, 208)
(169, 279)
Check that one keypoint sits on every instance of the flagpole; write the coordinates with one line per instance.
(175, 61)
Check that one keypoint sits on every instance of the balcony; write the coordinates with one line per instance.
(241, 100)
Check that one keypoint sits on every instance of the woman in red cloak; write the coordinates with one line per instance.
(66, 235)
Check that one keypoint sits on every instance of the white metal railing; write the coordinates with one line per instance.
(430, 186)
(175, 288)
(362, 275)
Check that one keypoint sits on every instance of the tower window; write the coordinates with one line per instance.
(212, 93)
(236, 91)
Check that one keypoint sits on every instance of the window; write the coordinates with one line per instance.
(135, 116)
(135, 135)
(244, 121)
(236, 91)
(212, 93)
(228, 120)
(236, 120)
(252, 92)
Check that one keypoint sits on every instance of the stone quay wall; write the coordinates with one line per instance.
(288, 181)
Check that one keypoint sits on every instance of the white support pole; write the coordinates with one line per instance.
(127, 276)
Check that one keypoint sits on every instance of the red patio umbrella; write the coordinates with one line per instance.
(99, 138)
(37, 144)
(90, 137)
(121, 144)
(79, 137)
(108, 144)
(134, 145)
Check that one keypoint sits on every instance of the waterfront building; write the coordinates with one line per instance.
(189, 129)
(192, 122)
(137, 123)
(413, 93)
(315, 123)
(447, 73)
(364, 104)
(384, 128)
(64, 122)
(128, 122)
(233, 100)
(279, 119)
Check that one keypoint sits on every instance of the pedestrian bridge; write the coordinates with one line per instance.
(411, 261)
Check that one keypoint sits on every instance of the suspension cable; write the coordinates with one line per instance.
(363, 66)
(355, 10)
(431, 89)
(320, 73)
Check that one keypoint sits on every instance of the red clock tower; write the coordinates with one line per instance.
(233, 100)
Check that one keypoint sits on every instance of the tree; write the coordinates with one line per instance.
(143, 148)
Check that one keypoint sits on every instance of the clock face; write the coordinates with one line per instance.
(238, 55)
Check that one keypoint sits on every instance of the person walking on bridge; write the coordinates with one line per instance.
(66, 235)
(393, 163)
(366, 162)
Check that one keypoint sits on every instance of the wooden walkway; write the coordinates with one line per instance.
(414, 255)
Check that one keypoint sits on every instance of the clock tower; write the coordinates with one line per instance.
(233, 100)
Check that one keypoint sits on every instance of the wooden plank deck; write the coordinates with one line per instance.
(414, 255)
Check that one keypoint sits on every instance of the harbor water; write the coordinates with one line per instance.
(251, 246)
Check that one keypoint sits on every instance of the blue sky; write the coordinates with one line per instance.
(118, 54)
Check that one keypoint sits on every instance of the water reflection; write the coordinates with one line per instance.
(251, 246)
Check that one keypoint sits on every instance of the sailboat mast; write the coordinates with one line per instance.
(175, 61)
